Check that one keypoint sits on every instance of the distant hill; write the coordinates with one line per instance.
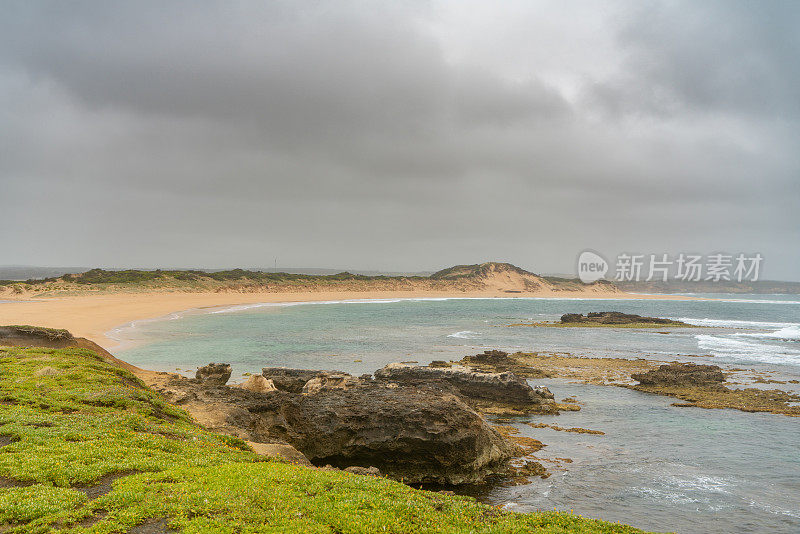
(484, 277)
(32, 272)
(27, 272)
(508, 277)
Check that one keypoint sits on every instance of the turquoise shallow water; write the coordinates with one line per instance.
(658, 466)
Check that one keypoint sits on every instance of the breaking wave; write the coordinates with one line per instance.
(732, 323)
(465, 334)
(788, 333)
(753, 351)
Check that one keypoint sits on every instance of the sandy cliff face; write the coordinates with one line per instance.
(508, 278)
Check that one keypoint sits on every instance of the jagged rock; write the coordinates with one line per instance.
(440, 363)
(288, 379)
(497, 361)
(681, 374)
(478, 389)
(368, 471)
(259, 384)
(335, 380)
(416, 434)
(419, 435)
(214, 373)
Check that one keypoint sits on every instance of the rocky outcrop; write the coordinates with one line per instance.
(497, 361)
(289, 380)
(481, 390)
(214, 373)
(411, 433)
(681, 374)
(616, 318)
(326, 381)
(417, 434)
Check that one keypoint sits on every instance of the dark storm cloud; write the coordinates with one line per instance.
(406, 136)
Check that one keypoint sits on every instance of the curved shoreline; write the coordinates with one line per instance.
(94, 316)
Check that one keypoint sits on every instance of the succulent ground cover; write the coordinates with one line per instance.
(87, 447)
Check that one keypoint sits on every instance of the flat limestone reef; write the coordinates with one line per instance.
(609, 319)
(703, 386)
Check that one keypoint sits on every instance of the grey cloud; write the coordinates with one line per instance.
(344, 134)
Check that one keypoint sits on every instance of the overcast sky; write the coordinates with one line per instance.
(397, 135)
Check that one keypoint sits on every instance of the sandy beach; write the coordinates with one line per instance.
(93, 315)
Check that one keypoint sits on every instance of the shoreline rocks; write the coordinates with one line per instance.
(495, 392)
(497, 361)
(214, 373)
(421, 435)
(681, 374)
(616, 318)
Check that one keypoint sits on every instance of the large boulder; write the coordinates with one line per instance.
(481, 390)
(416, 434)
(259, 384)
(214, 373)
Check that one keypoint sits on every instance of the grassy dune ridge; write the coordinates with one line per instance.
(484, 276)
(86, 447)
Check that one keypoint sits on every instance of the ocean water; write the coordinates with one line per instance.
(657, 467)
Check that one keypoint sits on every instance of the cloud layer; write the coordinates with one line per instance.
(413, 136)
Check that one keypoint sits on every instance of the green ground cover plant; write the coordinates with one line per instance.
(86, 447)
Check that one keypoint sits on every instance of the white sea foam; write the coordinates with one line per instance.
(702, 483)
(740, 350)
(733, 323)
(465, 334)
(775, 509)
(759, 301)
(664, 495)
(787, 333)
